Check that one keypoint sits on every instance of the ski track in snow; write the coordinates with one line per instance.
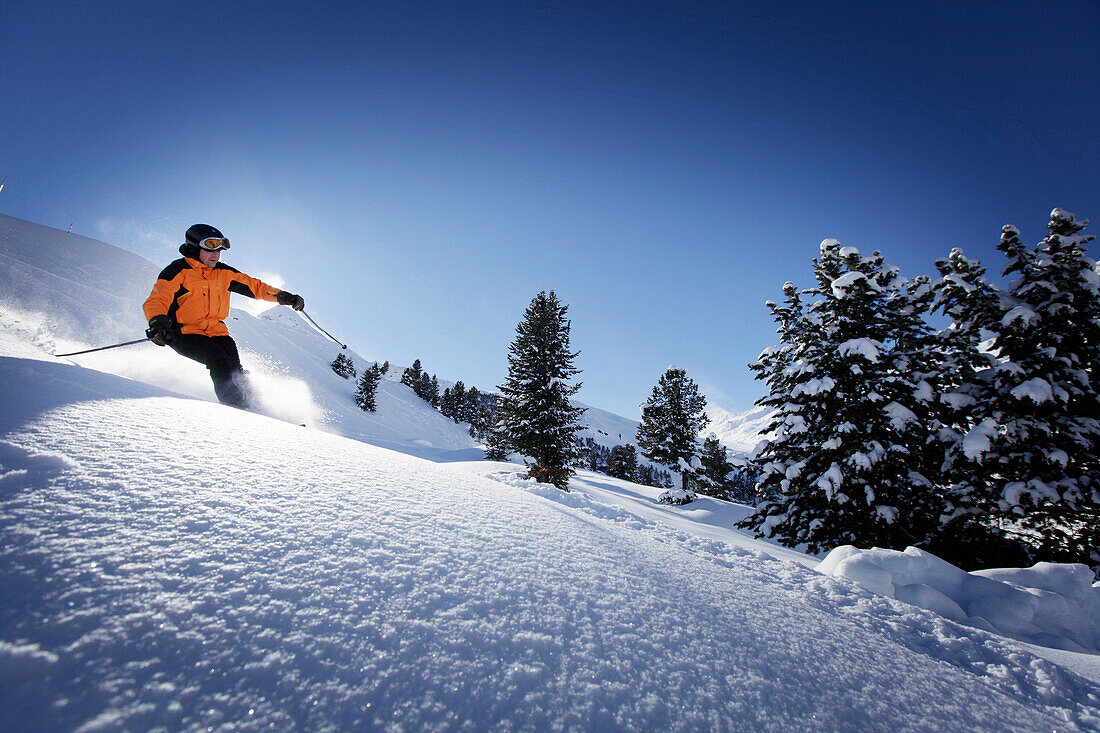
(1006, 666)
(176, 564)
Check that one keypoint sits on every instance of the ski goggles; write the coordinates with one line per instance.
(214, 244)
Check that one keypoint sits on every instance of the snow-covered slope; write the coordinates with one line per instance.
(73, 292)
(75, 286)
(166, 562)
(607, 428)
(258, 574)
(738, 431)
(62, 292)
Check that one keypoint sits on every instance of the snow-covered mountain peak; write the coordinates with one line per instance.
(738, 431)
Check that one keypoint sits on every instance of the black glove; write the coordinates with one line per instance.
(160, 331)
(296, 302)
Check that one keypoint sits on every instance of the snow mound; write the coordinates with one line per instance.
(1053, 605)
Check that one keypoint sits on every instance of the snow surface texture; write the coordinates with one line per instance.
(170, 562)
(281, 576)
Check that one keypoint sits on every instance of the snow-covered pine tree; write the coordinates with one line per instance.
(1039, 446)
(913, 359)
(845, 465)
(742, 487)
(429, 390)
(714, 469)
(470, 404)
(970, 534)
(453, 401)
(535, 413)
(475, 413)
(426, 386)
(458, 401)
(496, 444)
(368, 386)
(669, 431)
(344, 366)
(412, 376)
(623, 462)
(446, 403)
(592, 455)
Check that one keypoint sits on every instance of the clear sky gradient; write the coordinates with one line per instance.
(420, 170)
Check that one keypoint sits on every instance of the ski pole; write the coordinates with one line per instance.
(342, 346)
(104, 348)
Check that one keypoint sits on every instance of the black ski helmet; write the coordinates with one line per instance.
(198, 232)
(195, 234)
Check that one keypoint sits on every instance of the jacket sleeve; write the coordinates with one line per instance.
(164, 291)
(252, 287)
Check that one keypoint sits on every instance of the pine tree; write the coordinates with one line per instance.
(344, 366)
(457, 406)
(412, 376)
(969, 534)
(623, 462)
(671, 420)
(662, 479)
(475, 413)
(426, 386)
(650, 475)
(368, 386)
(1038, 449)
(592, 455)
(496, 444)
(714, 469)
(742, 487)
(469, 406)
(849, 462)
(429, 390)
(535, 413)
(601, 456)
(446, 403)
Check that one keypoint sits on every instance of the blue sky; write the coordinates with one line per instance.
(419, 171)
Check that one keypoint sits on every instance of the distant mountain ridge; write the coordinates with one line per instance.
(738, 431)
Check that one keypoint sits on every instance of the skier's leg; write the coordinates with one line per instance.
(230, 381)
(219, 355)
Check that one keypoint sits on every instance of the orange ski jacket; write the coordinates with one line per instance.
(197, 297)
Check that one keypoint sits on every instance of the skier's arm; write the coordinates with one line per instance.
(252, 287)
(164, 292)
(256, 288)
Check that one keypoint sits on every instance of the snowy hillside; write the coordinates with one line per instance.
(258, 574)
(167, 562)
(73, 284)
(64, 293)
(738, 431)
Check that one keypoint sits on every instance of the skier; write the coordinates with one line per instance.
(188, 305)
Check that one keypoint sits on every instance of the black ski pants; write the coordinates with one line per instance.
(219, 355)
